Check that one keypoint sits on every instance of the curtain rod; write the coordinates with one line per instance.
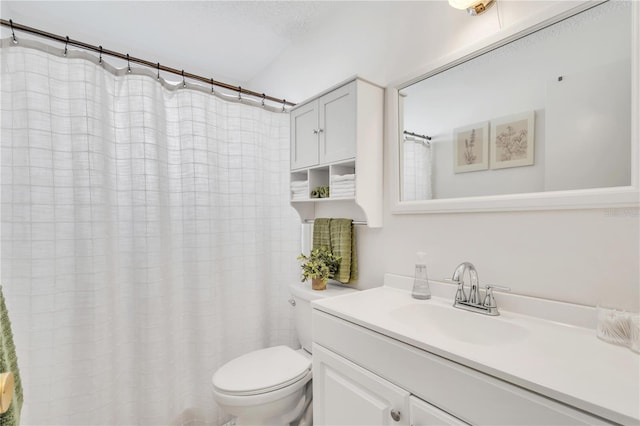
(125, 56)
(417, 135)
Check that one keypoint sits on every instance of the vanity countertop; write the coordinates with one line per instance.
(564, 362)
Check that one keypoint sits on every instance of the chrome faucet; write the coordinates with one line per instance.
(472, 301)
(458, 275)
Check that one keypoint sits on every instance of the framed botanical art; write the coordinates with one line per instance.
(471, 148)
(512, 140)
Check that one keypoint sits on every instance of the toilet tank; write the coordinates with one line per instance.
(303, 295)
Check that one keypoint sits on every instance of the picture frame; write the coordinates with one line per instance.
(513, 140)
(471, 148)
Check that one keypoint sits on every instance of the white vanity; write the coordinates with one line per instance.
(382, 357)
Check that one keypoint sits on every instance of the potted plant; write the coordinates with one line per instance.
(320, 265)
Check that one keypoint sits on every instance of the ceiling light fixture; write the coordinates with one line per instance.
(473, 7)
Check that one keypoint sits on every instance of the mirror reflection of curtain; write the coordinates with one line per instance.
(416, 182)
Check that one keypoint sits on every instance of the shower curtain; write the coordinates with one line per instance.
(416, 170)
(146, 238)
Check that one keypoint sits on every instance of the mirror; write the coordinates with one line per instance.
(550, 112)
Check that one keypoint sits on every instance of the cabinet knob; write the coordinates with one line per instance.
(395, 415)
(292, 302)
(317, 131)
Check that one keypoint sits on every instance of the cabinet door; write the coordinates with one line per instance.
(338, 124)
(304, 136)
(346, 394)
(425, 414)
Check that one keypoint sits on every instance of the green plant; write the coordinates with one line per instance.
(321, 263)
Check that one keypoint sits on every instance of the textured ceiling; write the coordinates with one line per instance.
(232, 41)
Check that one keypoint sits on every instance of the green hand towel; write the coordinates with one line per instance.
(343, 244)
(9, 362)
(321, 233)
(338, 236)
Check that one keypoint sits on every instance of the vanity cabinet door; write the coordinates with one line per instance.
(337, 118)
(346, 394)
(304, 136)
(425, 414)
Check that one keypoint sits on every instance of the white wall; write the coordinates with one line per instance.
(585, 256)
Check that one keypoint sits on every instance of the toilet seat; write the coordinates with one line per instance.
(263, 371)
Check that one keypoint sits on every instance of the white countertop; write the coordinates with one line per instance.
(564, 362)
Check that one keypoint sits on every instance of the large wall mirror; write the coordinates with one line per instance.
(546, 120)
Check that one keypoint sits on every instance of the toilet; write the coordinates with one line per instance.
(272, 386)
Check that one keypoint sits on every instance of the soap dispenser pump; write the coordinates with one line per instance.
(421, 288)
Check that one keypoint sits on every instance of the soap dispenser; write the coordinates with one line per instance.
(420, 281)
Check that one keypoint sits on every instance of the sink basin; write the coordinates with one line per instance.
(458, 324)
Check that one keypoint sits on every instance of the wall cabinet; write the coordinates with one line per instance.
(336, 141)
(323, 131)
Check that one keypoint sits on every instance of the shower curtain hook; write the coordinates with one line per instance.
(158, 77)
(284, 102)
(65, 46)
(13, 34)
(184, 83)
(212, 91)
(263, 96)
(128, 64)
(240, 93)
(100, 58)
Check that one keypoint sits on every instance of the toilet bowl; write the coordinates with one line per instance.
(272, 386)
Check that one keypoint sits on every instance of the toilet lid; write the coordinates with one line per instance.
(261, 371)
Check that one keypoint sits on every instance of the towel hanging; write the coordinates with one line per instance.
(338, 235)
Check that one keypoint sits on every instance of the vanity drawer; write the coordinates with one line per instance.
(468, 394)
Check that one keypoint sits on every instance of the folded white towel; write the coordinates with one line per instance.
(299, 184)
(337, 178)
(344, 188)
(343, 185)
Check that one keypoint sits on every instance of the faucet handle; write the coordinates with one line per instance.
(461, 296)
(498, 288)
(489, 300)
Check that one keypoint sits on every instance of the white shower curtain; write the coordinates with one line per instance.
(146, 238)
(416, 169)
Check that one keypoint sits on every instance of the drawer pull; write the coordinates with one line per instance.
(395, 415)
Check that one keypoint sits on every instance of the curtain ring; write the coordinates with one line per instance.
(100, 58)
(13, 34)
(184, 83)
(158, 77)
(212, 91)
(263, 96)
(128, 64)
(284, 102)
(65, 46)
(240, 93)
